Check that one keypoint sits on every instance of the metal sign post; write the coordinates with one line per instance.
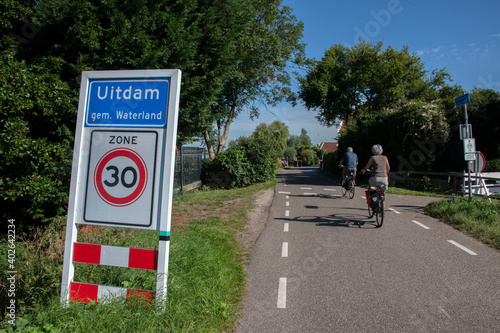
(123, 172)
(469, 155)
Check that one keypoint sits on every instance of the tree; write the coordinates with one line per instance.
(348, 82)
(484, 117)
(271, 40)
(35, 142)
(299, 140)
(197, 36)
(276, 133)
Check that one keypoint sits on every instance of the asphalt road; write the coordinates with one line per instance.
(315, 268)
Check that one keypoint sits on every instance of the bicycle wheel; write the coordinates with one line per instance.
(379, 214)
(344, 190)
(370, 212)
(351, 189)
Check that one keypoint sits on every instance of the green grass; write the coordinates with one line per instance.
(206, 279)
(479, 218)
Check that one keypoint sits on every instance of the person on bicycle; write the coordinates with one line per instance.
(380, 165)
(350, 161)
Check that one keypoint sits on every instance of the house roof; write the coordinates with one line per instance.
(329, 147)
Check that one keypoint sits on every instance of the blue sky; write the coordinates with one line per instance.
(461, 36)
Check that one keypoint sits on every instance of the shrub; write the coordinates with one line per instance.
(492, 166)
(307, 155)
(331, 162)
(249, 162)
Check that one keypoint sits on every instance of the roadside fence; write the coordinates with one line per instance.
(482, 184)
(188, 163)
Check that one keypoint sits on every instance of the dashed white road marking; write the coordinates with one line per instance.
(286, 227)
(306, 188)
(310, 194)
(287, 213)
(463, 248)
(282, 293)
(287, 203)
(284, 192)
(420, 224)
(329, 189)
(284, 250)
(395, 211)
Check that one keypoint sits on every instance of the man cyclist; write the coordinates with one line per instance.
(350, 161)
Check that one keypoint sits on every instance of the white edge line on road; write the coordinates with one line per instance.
(284, 250)
(287, 213)
(463, 248)
(286, 227)
(283, 192)
(282, 293)
(395, 211)
(420, 224)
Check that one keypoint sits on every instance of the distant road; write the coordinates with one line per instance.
(314, 269)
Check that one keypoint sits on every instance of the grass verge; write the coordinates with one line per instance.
(206, 272)
(479, 218)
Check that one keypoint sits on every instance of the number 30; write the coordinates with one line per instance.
(117, 179)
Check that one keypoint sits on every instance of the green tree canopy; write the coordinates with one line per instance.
(199, 37)
(484, 117)
(366, 79)
(276, 133)
(262, 76)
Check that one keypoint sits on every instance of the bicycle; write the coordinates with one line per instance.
(375, 198)
(349, 184)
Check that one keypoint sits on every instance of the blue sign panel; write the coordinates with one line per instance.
(127, 103)
(462, 100)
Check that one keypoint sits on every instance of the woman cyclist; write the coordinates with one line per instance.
(380, 165)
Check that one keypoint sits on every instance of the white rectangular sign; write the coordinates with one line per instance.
(469, 146)
(124, 159)
(470, 157)
(121, 178)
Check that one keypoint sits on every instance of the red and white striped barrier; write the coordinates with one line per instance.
(110, 256)
(115, 256)
(86, 293)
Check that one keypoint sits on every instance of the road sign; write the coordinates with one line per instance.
(479, 163)
(462, 100)
(124, 159)
(121, 177)
(470, 157)
(127, 103)
(469, 146)
(465, 131)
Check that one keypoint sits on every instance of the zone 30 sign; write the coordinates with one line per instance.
(123, 171)
(125, 145)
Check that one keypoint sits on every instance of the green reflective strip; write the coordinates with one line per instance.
(164, 235)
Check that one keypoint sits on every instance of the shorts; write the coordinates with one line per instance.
(379, 180)
(346, 172)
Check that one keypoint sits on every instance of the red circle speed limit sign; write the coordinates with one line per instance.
(120, 177)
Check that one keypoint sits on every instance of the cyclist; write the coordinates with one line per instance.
(380, 165)
(350, 161)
